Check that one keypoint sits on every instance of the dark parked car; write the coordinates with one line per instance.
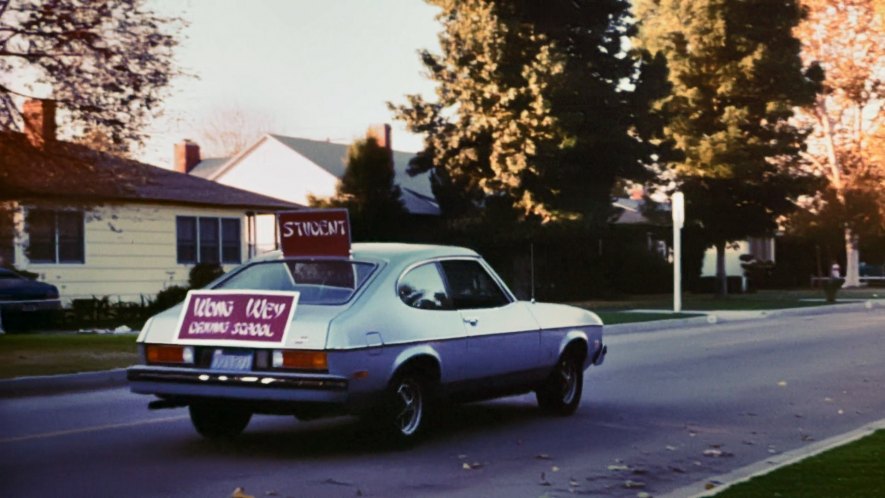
(20, 298)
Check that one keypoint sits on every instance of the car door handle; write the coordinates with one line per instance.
(471, 321)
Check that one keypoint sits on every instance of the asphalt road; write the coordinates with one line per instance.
(667, 409)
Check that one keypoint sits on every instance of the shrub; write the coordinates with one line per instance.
(204, 273)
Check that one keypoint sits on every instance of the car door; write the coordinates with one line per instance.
(503, 337)
(429, 311)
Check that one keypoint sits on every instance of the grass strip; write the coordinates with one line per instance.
(613, 317)
(50, 354)
(854, 470)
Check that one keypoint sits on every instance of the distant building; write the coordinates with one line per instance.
(292, 168)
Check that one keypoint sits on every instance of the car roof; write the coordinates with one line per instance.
(392, 252)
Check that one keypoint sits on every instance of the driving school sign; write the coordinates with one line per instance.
(316, 232)
(240, 316)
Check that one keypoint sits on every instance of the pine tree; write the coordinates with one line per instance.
(367, 190)
(532, 111)
(736, 75)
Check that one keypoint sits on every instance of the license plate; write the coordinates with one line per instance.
(229, 360)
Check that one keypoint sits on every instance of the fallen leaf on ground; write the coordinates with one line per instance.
(709, 486)
(542, 456)
(841, 412)
(629, 484)
(643, 494)
(716, 453)
(555, 468)
(782, 383)
(671, 448)
(471, 466)
(573, 483)
(617, 468)
(240, 493)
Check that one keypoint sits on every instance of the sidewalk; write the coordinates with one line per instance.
(728, 316)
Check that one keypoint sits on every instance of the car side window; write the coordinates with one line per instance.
(422, 287)
(471, 286)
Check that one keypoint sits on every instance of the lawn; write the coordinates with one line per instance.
(854, 470)
(48, 354)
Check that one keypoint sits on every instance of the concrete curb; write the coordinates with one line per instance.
(743, 474)
(55, 384)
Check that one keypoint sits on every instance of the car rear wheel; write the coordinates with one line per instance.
(561, 392)
(219, 420)
(406, 414)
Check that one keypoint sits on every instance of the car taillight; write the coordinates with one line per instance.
(162, 353)
(300, 360)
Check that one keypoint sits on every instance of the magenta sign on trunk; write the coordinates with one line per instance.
(258, 316)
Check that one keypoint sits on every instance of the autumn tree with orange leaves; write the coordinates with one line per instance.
(847, 39)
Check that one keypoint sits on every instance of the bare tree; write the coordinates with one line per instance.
(228, 131)
(106, 63)
(847, 38)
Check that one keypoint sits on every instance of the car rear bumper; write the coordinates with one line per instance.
(246, 386)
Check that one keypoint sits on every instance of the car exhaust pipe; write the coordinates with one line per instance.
(161, 404)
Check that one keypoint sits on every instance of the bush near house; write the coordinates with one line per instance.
(102, 313)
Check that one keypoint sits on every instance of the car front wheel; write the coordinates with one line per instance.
(561, 392)
(218, 420)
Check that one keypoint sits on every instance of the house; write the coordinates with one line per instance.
(761, 249)
(292, 168)
(95, 224)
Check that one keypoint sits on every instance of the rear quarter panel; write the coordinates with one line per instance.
(560, 325)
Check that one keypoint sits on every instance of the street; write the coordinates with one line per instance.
(667, 409)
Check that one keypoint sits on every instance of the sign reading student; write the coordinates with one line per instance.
(316, 232)
(237, 316)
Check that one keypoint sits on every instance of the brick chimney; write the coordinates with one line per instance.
(187, 155)
(39, 116)
(381, 134)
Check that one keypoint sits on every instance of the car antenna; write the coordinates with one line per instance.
(532, 263)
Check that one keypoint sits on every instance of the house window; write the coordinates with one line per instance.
(186, 239)
(55, 236)
(208, 240)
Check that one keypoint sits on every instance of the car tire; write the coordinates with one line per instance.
(561, 392)
(406, 410)
(219, 420)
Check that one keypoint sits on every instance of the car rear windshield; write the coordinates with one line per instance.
(317, 281)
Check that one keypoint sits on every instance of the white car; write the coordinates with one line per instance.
(383, 333)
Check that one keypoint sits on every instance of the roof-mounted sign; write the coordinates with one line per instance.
(315, 232)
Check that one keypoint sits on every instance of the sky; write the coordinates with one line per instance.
(312, 69)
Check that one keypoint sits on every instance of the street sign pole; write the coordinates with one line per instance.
(678, 209)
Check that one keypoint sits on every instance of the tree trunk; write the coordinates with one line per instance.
(721, 277)
(852, 259)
